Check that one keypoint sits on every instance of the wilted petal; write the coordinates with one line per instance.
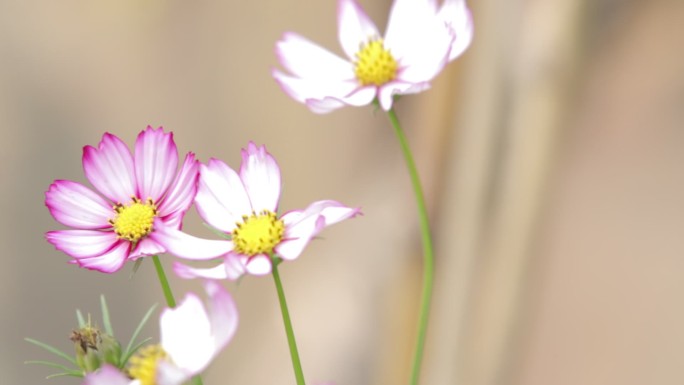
(188, 272)
(260, 175)
(187, 246)
(355, 28)
(389, 90)
(110, 168)
(75, 205)
(221, 196)
(156, 160)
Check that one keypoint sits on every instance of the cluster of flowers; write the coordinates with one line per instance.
(143, 197)
(141, 215)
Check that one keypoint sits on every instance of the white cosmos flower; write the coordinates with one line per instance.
(191, 336)
(421, 38)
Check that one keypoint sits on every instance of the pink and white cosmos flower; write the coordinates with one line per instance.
(421, 38)
(137, 189)
(191, 336)
(243, 206)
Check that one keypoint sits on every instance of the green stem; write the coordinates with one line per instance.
(170, 301)
(428, 257)
(294, 354)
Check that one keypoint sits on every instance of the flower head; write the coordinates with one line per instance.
(191, 336)
(140, 193)
(421, 37)
(243, 205)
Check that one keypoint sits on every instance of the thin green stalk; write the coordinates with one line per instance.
(170, 300)
(428, 257)
(294, 354)
(168, 294)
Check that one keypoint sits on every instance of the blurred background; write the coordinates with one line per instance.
(550, 153)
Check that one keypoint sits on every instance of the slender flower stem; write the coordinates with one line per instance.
(296, 364)
(168, 294)
(428, 256)
(170, 300)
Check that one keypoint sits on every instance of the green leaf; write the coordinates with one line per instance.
(137, 331)
(125, 359)
(52, 350)
(51, 364)
(71, 373)
(105, 316)
(79, 317)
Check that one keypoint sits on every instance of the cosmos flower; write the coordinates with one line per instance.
(421, 38)
(137, 189)
(191, 336)
(243, 205)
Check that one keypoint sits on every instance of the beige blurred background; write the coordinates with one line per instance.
(551, 155)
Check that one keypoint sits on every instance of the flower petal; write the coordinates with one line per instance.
(387, 91)
(182, 191)
(221, 197)
(211, 329)
(305, 59)
(186, 246)
(355, 28)
(259, 264)
(106, 375)
(458, 18)
(156, 159)
(261, 177)
(110, 168)
(302, 225)
(146, 247)
(82, 243)
(73, 204)
(109, 262)
(189, 272)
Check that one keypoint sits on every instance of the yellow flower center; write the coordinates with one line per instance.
(143, 365)
(134, 221)
(375, 64)
(258, 233)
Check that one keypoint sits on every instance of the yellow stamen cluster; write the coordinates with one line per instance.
(134, 221)
(258, 233)
(143, 365)
(375, 64)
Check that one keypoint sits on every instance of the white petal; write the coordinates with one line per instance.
(259, 264)
(190, 351)
(188, 272)
(308, 60)
(458, 18)
(146, 247)
(260, 175)
(221, 196)
(186, 246)
(355, 28)
(82, 243)
(107, 375)
(387, 91)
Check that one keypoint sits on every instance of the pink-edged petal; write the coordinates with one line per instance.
(221, 198)
(302, 89)
(156, 159)
(212, 328)
(355, 28)
(189, 272)
(146, 247)
(73, 204)
(259, 264)
(305, 59)
(387, 91)
(170, 374)
(106, 375)
(110, 168)
(109, 262)
(302, 225)
(234, 265)
(82, 243)
(459, 20)
(260, 175)
(182, 191)
(186, 246)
